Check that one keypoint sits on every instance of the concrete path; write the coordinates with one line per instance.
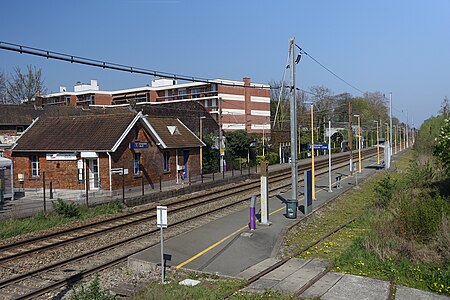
(291, 277)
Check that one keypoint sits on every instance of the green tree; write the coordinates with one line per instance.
(442, 148)
(210, 154)
(237, 143)
(428, 133)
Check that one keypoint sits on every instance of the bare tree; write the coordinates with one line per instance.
(2, 88)
(445, 107)
(25, 86)
(279, 105)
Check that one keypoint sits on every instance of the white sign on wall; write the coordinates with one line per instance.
(61, 156)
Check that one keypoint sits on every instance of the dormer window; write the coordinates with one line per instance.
(173, 130)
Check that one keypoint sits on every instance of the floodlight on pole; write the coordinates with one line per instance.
(378, 146)
(390, 124)
(312, 154)
(395, 138)
(329, 156)
(359, 142)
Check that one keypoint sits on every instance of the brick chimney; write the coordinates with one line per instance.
(246, 81)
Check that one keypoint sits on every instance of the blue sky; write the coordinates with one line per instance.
(400, 46)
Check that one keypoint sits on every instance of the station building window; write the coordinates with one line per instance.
(136, 164)
(166, 161)
(35, 172)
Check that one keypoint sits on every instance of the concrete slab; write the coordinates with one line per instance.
(292, 266)
(358, 287)
(301, 277)
(260, 286)
(322, 286)
(189, 282)
(406, 293)
(253, 270)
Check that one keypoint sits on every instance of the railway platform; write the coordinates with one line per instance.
(226, 246)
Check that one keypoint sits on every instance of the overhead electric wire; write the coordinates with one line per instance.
(323, 66)
(114, 66)
(281, 92)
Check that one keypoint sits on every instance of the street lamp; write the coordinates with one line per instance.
(201, 147)
(400, 138)
(263, 138)
(312, 153)
(386, 136)
(329, 156)
(359, 142)
(395, 138)
(378, 146)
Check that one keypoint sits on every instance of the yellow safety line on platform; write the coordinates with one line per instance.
(218, 243)
(234, 233)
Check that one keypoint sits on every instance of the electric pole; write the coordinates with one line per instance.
(293, 113)
(221, 149)
(350, 136)
(390, 126)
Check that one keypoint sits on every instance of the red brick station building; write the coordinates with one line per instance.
(91, 151)
(85, 139)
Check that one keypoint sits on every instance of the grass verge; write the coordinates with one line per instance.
(210, 287)
(358, 248)
(14, 227)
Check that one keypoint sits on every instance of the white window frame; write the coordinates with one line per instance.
(35, 171)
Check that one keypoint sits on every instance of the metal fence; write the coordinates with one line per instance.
(43, 191)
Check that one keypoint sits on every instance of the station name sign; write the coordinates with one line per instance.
(317, 146)
(61, 156)
(138, 145)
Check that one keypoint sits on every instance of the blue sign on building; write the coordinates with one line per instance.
(138, 145)
(317, 146)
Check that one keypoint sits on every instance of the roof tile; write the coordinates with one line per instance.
(75, 133)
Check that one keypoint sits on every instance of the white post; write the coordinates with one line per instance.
(329, 156)
(407, 129)
(161, 222)
(162, 255)
(279, 151)
(390, 125)
(264, 195)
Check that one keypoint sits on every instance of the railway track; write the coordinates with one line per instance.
(38, 281)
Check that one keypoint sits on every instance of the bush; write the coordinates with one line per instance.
(93, 291)
(272, 158)
(384, 190)
(419, 175)
(420, 215)
(240, 163)
(65, 209)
